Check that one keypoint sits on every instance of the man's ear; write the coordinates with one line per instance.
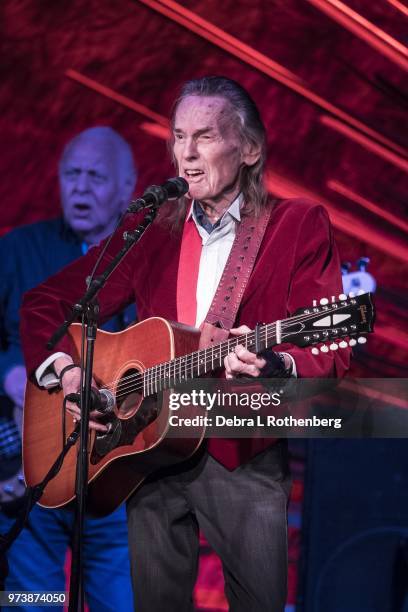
(250, 154)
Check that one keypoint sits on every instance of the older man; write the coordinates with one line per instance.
(97, 177)
(236, 491)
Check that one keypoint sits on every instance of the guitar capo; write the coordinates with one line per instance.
(275, 362)
(257, 332)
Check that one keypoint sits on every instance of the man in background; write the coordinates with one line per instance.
(97, 177)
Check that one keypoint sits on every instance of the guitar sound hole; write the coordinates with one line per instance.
(129, 393)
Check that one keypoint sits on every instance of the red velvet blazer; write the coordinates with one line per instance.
(297, 263)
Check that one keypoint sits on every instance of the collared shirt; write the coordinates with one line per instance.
(217, 242)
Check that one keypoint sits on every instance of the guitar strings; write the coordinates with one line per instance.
(193, 360)
(152, 378)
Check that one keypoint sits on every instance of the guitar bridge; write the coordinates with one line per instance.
(124, 431)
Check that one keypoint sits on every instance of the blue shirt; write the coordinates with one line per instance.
(28, 256)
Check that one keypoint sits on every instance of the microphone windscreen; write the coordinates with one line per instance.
(176, 187)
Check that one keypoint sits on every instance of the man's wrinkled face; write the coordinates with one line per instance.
(207, 149)
(90, 188)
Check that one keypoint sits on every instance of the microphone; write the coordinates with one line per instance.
(155, 195)
(102, 400)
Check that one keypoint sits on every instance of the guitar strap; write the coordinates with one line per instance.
(240, 263)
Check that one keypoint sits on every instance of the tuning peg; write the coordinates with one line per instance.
(361, 340)
(352, 342)
(315, 351)
(334, 346)
(324, 301)
(333, 299)
(362, 263)
(352, 294)
(342, 297)
(324, 349)
(314, 303)
(343, 344)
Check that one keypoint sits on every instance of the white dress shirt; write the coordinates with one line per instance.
(215, 252)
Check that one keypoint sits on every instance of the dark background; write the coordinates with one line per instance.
(331, 92)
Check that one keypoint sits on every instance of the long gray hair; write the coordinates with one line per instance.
(251, 131)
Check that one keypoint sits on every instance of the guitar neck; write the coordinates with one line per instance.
(181, 369)
(317, 324)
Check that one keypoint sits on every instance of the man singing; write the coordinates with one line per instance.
(235, 491)
(97, 176)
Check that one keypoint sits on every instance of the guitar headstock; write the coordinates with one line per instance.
(330, 321)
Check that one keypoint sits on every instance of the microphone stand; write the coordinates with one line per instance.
(88, 307)
(76, 589)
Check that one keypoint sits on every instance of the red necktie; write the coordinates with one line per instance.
(189, 263)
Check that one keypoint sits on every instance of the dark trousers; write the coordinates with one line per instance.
(243, 516)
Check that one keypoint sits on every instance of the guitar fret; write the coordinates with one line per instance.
(165, 375)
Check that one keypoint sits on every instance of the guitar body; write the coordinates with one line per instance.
(139, 441)
(139, 367)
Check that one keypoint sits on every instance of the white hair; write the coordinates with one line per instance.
(122, 151)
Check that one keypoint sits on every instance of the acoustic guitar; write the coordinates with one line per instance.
(140, 367)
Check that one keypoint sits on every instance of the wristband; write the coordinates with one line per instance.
(275, 365)
(67, 367)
